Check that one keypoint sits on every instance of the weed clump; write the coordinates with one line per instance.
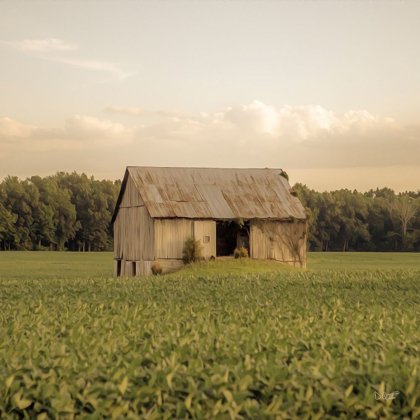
(284, 174)
(156, 269)
(240, 253)
(192, 251)
(294, 193)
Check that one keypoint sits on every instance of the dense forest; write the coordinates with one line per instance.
(59, 212)
(69, 211)
(377, 220)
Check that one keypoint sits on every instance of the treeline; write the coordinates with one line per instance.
(378, 220)
(60, 212)
(73, 212)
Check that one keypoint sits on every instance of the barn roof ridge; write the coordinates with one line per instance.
(199, 167)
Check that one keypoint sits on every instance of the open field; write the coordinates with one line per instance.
(48, 265)
(43, 265)
(264, 342)
(363, 261)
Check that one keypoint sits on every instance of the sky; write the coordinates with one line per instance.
(327, 90)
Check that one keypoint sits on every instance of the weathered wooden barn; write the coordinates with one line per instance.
(159, 208)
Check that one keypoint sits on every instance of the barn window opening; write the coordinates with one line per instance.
(119, 268)
(206, 239)
(229, 235)
(133, 269)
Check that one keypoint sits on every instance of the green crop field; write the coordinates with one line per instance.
(228, 340)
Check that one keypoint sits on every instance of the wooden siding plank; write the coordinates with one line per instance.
(131, 196)
(170, 237)
(204, 228)
(281, 241)
(133, 233)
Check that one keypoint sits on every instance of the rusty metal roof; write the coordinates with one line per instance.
(208, 193)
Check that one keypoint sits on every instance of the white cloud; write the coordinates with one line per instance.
(44, 45)
(49, 48)
(296, 123)
(77, 133)
(91, 129)
(116, 70)
(249, 135)
(41, 46)
(10, 128)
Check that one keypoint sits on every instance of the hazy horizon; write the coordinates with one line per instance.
(327, 90)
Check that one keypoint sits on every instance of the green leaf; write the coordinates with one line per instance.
(415, 413)
(9, 381)
(123, 385)
(410, 388)
(169, 378)
(348, 391)
(228, 395)
(188, 401)
(20, 401)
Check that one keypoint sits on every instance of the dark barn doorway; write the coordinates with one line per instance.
(133, 269)
(229, 235)
(119, 268)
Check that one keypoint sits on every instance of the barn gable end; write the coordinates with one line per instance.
(131, 196)
(133, 233)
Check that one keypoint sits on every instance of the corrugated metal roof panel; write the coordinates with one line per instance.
(184, 209)
(160, 210)
(155, 193)
(208, 193)
(217, 203)
(202, 210)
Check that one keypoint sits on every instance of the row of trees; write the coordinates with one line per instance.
(63, 211)
(378, 220)
(73, 211)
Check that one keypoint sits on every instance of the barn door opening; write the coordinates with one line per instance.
(119, 268)
(229, 235)
(133, 269)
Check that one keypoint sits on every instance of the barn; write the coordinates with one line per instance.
(159, 208)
